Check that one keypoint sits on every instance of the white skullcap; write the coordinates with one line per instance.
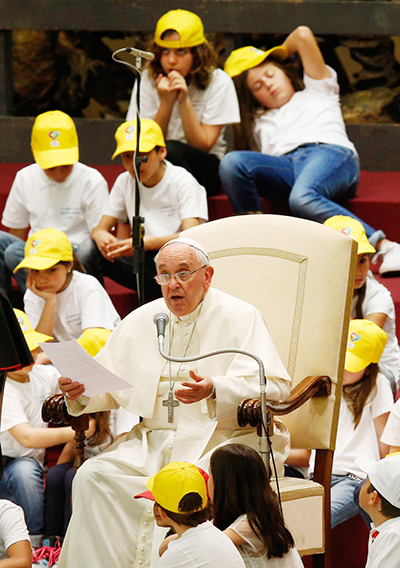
(189, 242)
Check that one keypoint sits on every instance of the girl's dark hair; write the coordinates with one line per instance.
(102, 433)
(204, 63)
(360, 298)
(250, 108)
(356, 395)
(241, 486)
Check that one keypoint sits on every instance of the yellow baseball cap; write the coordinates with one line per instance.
(247, 57)
(352, 228)
(173, 482)
(32, 337)
(151, 136)
(365, 345)
(46, 248)
(94, 339)
(188, 25)
(54, 140)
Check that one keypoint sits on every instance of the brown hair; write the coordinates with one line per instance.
(189, 502)
(204, 63)
(102, 433)
(356, 395)
(387, 509)
(250, 108)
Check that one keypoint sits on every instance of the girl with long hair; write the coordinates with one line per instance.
(246, 508)
(187, 95)
(292, 142)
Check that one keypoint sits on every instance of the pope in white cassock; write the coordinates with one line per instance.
(109, 527)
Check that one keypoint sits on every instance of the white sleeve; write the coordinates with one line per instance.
(33, 307)
(222, 105)
(391, 433)
(174, 557)
(12, 524)
(378, 299)
(383, 400)
(15, 214)
(96, 307)
(191, 198)
(13, 412)
(116, 205)
(149, 99)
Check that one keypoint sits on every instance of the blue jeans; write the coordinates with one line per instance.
(313, 179)
(344, 502)
(12, 251)
(22, 483)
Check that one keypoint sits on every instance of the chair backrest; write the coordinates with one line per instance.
(300, 275)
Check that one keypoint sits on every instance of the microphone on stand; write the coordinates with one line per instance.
(161, 320)
(139, 53)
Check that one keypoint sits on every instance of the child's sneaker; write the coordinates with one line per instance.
(390, 253)
(46, 555)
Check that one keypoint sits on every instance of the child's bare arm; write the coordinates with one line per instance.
(303, 42)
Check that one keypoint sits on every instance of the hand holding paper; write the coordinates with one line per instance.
(72, 361)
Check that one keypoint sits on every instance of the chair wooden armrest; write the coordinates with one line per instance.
(249, 412)
(55, 410)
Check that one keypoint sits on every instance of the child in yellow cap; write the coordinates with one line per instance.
(291, 144)
(371, 300)
(180, 491)
(188, 96)
(62, 301)
(171, 200)
(366, 403)
(56, 191)
(24, 435)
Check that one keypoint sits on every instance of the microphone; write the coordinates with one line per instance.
(139, 53)
(161, 320)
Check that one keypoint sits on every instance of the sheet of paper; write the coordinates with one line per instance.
(72, 361)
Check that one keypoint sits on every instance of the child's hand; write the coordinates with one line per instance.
(103, 239)
(164, 90)
(119, 248)
(177, 83)
(31, 284)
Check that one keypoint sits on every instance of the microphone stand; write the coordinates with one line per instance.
(263, 438)
(137, 221)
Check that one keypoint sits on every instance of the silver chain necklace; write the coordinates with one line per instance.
(170, 402)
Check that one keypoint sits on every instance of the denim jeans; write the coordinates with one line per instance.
(313, 179)
(22, 483)
(121, 269)
(57, 499)
(12, 251)
(344, 503)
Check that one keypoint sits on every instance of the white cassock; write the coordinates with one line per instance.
(108, 526)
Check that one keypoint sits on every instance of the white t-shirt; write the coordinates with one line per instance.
(74, 206)
(176, 197)
(378, 299)
(384, 549)
(82, 305)
(311, 115)
(362, 441)
(391, 433)
(22, 403)
(215, 105)
(254, 553)
(203, 546)
(12, 526)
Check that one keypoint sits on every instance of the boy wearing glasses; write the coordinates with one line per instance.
(171, 200)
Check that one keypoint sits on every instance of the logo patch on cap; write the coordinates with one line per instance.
(129, 132)
(54, 134)
(346, 231)
(22, 323)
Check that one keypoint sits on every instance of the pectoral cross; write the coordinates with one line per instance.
(171, 402)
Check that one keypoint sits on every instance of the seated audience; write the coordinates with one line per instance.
(57, 191)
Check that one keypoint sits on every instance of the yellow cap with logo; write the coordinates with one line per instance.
(247, 57)
(351, 228)
(46, 248)
(188, 25)
(365, 345)
(32, 337)
(54, 140)
(151, 136)
(173, 482)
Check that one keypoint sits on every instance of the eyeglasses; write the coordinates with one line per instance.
(181, 276)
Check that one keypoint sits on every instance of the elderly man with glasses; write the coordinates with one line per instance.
(187, 408)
